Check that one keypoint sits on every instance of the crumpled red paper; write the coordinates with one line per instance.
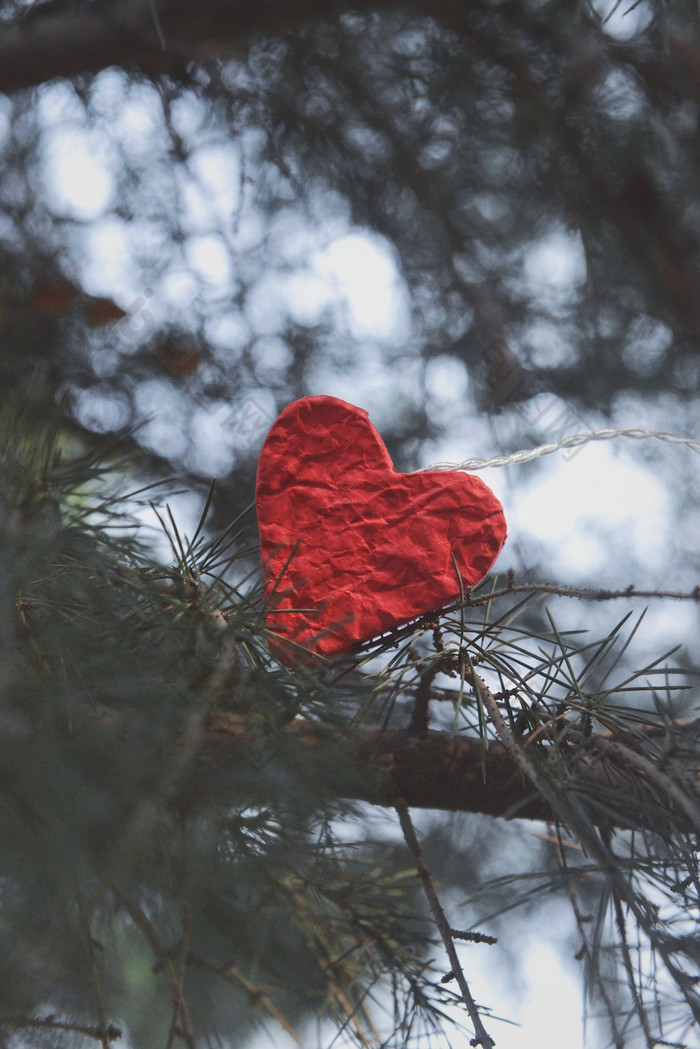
(350, 547)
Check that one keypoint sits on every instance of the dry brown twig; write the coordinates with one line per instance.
(481, 1035)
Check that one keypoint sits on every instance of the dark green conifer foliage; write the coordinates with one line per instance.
(195, 840)
(178, 866)
(117, 876)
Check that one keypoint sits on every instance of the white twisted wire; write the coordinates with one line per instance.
(528, 454)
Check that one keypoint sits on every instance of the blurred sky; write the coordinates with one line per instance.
(609, 509)
(605, 510)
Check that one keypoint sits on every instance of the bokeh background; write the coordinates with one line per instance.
(478, 221)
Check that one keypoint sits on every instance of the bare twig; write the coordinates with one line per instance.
(103, 1027)
(99, 1033)
(583, 593)
(179, 1018)
(258, 996)
(427, 672)
(481, 1035)
(162, 952)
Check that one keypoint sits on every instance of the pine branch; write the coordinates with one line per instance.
(440, 770)
(209, 777)
(105, 1035)
(582, 593)
(481, 1035)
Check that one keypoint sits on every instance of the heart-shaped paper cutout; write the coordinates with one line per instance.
(350, 547)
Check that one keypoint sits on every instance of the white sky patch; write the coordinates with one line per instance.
(101, 410)
(547, 345)
(217, 169)
(649, 339)
(164, 429)
(179, 288)
(585, 508)
(552, 1014)
(556, 265)
(188, 113)
(354, 279)
(110, 240)
(249, 418)
(75, 159)
(57, 103)
(362, 269)
(198, 208)
(369, 382)
(623, 19)
(210, 454)
(236, 426)
(308, 296)
(75, 176)
(296, 239)
(138, 119)
(210, 260)
(446, 378)
(107, 92)
(110, 260)
(249, 232)
(272, 354)
(265, 305)
(228, 332)
(670, 624)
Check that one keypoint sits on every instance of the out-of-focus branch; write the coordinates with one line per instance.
(63, 39)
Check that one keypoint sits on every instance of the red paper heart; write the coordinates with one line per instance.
(351, 548)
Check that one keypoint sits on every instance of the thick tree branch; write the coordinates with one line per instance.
(64, 39)
(437, 771)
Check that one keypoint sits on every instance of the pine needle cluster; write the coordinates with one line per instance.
(150, 891)
(183, 820)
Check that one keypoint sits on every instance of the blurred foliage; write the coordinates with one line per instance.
(524, 175)
(129, 897)
(474, 146)
(159, 886)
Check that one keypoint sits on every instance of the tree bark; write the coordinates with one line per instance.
(437, 771)
(65, 39)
